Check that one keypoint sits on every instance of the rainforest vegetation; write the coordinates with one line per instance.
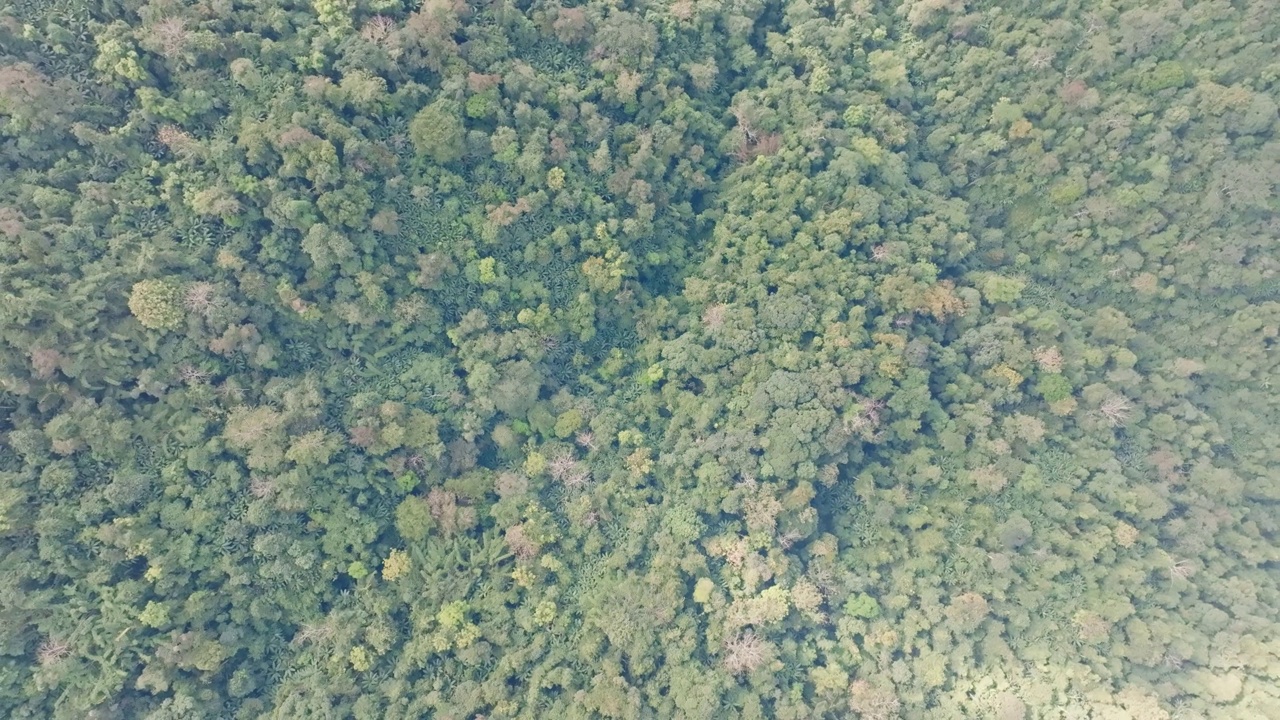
(639, 359)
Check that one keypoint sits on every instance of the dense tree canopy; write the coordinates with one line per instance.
(672, 359)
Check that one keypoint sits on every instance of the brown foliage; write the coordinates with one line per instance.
(571, 24)
(1049, 358)
(988, 478)
(1170, 467)
(752, 142)
(564, 468)
(559, 149)
(941, 301)
(262, 486)
(296, 135)
(200, 297)
(479, 82)
(507, 213)
(745, 653)
(462, 455)
(511, 485)
(11, 222)
(168, 37)
(438, 20)
(192, 375)
(1077, 94)
(1116, 410)
(179, 141)
(753, 145)
(713, 316)
(450, 516)
(20, 84)
(247, 427)
(431, 270)
(761, 511)
(872, 702)
(363, 436)
(378, 30)
(45, 362)
(386, 222)
(968, 610)
(1091, 627)
(51, 651)
(520, 542)
(315, 632)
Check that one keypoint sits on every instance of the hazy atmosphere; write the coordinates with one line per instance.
(639, 360)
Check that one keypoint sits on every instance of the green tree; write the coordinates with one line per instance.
(437, 131)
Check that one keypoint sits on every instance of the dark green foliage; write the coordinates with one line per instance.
(1054, 387)
(677, 360)
(437, 131)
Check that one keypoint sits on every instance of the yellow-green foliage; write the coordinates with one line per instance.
(555, 178)
(1068, 190)
(1165, 75)
(639, 360)
(568, 423)
(157, 304)
(117, 56)
(1001, 289)
(396, 565)
(334, 15)
(436, 131)
(360, 659)
(154, 615)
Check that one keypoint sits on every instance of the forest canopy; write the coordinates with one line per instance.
(674, 359)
